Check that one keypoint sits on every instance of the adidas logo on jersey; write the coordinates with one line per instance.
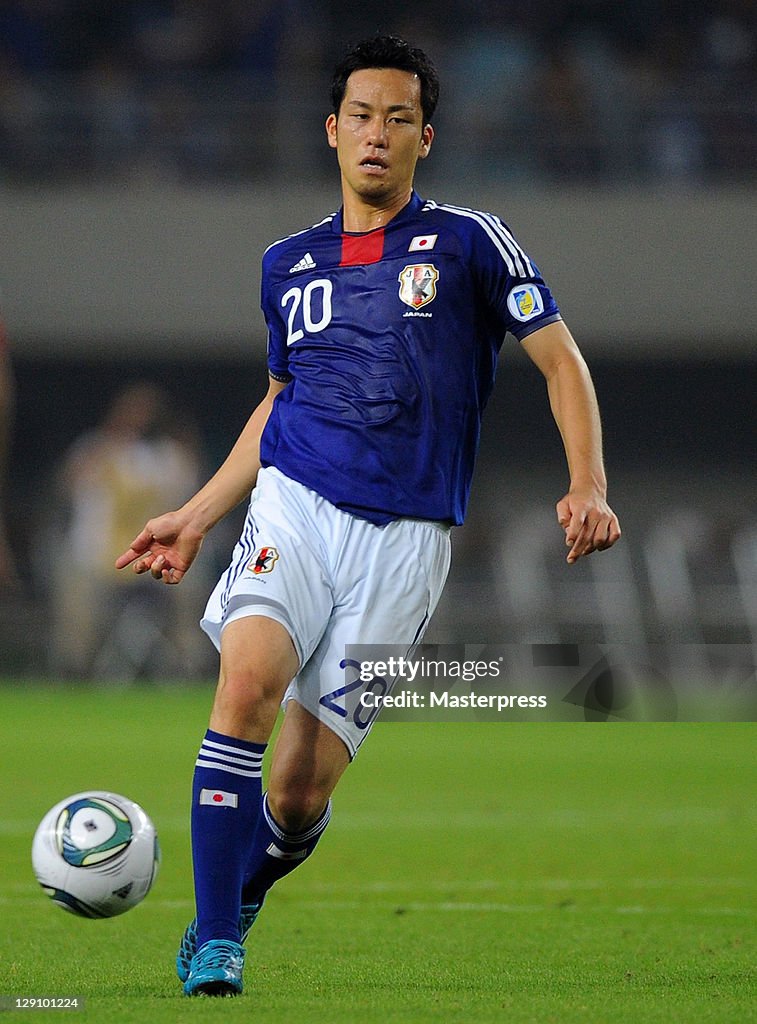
(306, 263)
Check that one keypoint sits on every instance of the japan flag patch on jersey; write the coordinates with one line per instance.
(525, 302)
(422, 242)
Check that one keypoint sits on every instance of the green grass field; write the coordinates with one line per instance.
(554, 872)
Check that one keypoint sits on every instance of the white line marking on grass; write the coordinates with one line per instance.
(550, 884)
(449, 906)
(14, 829)
(517, 908)
(562, 885)
(502, 819)
(20, 827)
(510, 817)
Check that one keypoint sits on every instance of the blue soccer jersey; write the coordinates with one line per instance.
(390, 341)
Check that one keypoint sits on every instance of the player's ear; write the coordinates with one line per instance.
(427, 137)
(331, 130)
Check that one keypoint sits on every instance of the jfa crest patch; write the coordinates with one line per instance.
(418, 284)
(263, 560)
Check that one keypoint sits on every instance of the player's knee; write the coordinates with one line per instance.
(245, 693)
(295, 808)
(246, 701)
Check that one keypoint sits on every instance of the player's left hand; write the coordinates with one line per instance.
(589, 523)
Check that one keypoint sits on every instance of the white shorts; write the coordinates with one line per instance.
(331, 579)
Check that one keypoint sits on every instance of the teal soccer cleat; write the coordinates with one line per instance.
(188, 944)
(216, 969)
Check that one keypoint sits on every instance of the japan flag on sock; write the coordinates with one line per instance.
(219, 798)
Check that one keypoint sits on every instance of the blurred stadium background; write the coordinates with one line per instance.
(149, 151)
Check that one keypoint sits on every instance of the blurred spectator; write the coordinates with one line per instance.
(490, 73)
(730, 39)
(27, 39)
(202, 89)
(141, 457)
(7, 566)
(565, 133)
(730, 65)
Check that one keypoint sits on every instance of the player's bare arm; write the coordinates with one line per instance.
(167, 545)
(589, 522)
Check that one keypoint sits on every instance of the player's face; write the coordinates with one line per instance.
(379, 135)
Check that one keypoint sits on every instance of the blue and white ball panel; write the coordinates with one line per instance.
(96, 854)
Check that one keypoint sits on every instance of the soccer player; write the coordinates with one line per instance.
(384, 325)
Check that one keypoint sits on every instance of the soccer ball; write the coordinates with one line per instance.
(96, 854)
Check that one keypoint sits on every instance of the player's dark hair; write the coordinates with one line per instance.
(388, 52)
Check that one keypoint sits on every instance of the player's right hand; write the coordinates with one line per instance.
(589, 523)
(165, 548)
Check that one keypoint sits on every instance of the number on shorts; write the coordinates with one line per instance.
(361, 715)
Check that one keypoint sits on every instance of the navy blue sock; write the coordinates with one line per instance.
(226, 804)
(275, 852)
